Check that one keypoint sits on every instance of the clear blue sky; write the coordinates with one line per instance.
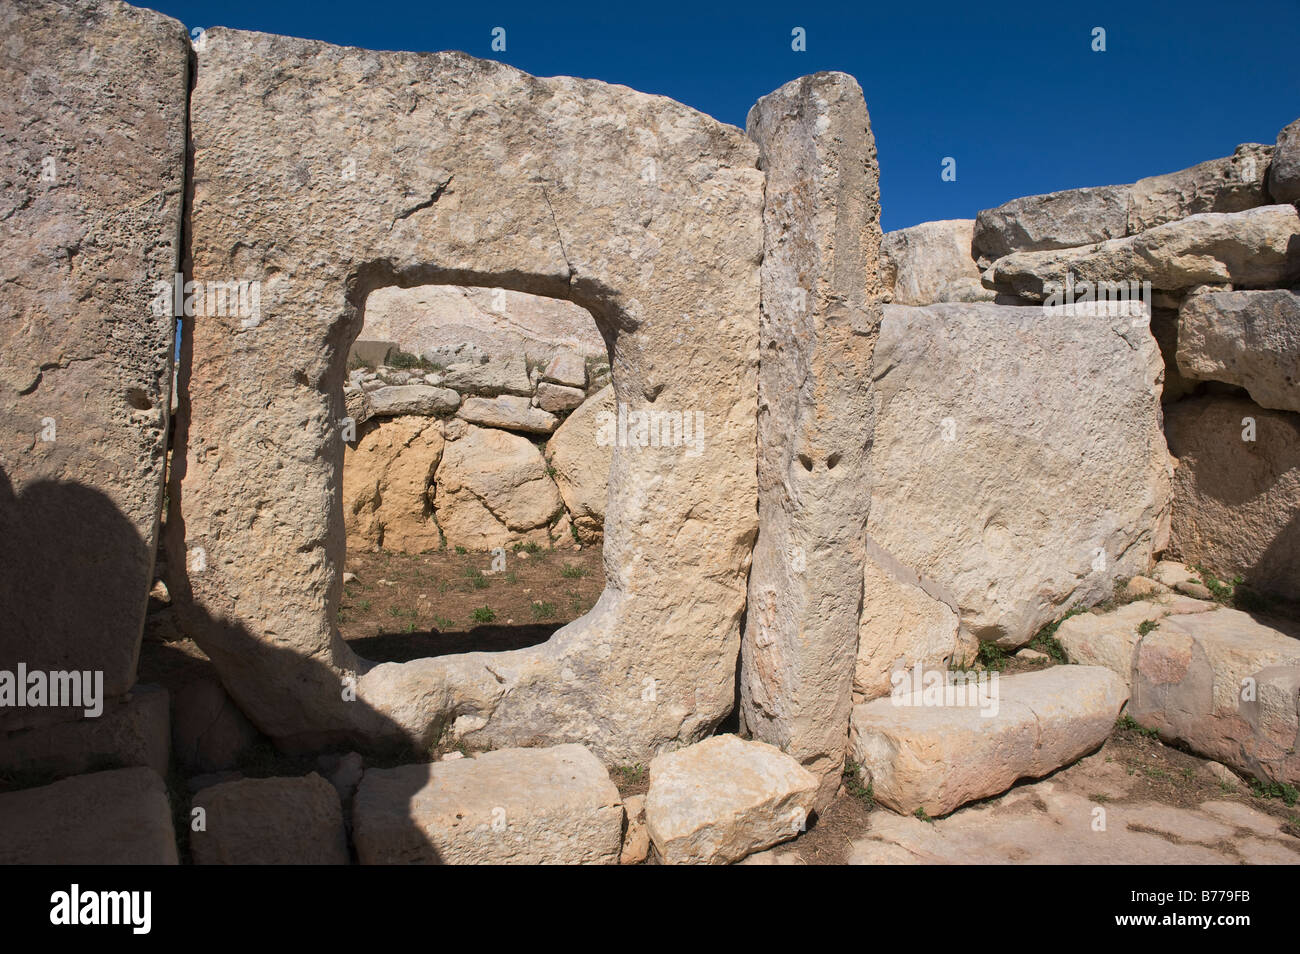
(1013, 92)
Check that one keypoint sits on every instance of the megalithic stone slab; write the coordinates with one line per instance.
(820, 317)
(90, 219)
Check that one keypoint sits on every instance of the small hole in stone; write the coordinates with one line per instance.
(138, 399)
(832, 460)
(806, 461)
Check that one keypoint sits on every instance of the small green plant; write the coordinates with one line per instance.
(572, 571)
(461, 550)
(1287, 792)
(543, 610)
(1222, 591)
(409, 628)
(921, 814)
(395, 611)
(477, 579)
(512, 576)
(550, 471)
(1146, 626)
(531, 547)
(364, 606)
(853, 785)
(1127, 723)
(483, 614)
(404, 361)
(1045, 640)
(630, 774)
(992, 656)
(1099, 798)
(443, 623)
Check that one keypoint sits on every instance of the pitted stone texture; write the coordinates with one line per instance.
(1284, 173)
(1249, 338)
(1055, 220)
(468, 172)
(581, 461)
(446, 323)
(130, 732)
(510, 412)
(1226, 686)
(1232, 184)
(403, 399)
(1111, 639)
(820, 317)
(1250, 249)
(1235, 500)
(507, 374)
(1019, 468)
(719, 800)
(557, 399)
(271, 821)
(512, 806)
(492, 489)
(567, 369)
(120, 817)
(938, 757)
(931, 262)
(90, 220)
(388, 485)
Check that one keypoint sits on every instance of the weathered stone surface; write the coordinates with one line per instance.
(130, 732)
(719, 800)
(90, 221)
(1251, 249)
(446, 323)
(901, 626)
(371, 353)
(492, 488)
(820, 318)
(1247, 338)
(467, 171)
(209, 733)
(107, 818)
(1235, 501)
(1284, 172)
(581, 461)
(405, 399)
(1226, 686)
(557, 399)
(636, 840)
(270, 821)
(359, 407)
(512, 806)
(568, 369)
(1019, 467)
(931, 262)
(1055, 220)
(509, 412)
(507, 374)
(388, 483)
(939, 757)
(1232, 184)
(1111, 639)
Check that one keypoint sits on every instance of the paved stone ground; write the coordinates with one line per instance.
(1085, 814)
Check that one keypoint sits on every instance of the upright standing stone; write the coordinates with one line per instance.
(818, 325)
(93, 153)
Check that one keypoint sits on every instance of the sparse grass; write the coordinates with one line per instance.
(1126, 723)
(461, 550)
(1045, 640)
(543, 610)
(853, 785)
(571, 571)
(483, 614)
(512, 576)
(992, 657)
(404, 361)
(1099, 798)
(1288, 793)
(1146, 626)
(1222, 591)
(364, 606)
(921, 814)
(477, 579)
(631, 774)
(443, 623)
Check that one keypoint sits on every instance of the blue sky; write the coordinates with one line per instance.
(1013, 92)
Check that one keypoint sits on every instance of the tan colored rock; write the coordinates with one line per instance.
(558, 399)
(1170, 573)
(1248, 338)
(403, 399)
(1284, 172)
(90, 225)
(582, 461)
(371, 353)
(1232, 184)
(938, 757)
(1141, 586)
(270, 821)
(567, 369)
(120, 817)
(719, 800)
(821, 314)
(1225, 686)
(509, 412)
(492, 487)
(636, 839)
(1111, 639)
(446, 323)
(1235, 500)
(512, 806)
(209, 733)
(131, 731)
(931, 262)
(1019, 467)
(505, 374)
(1057, 220)
(1250, 249)
(387, 486)
(527, 190)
